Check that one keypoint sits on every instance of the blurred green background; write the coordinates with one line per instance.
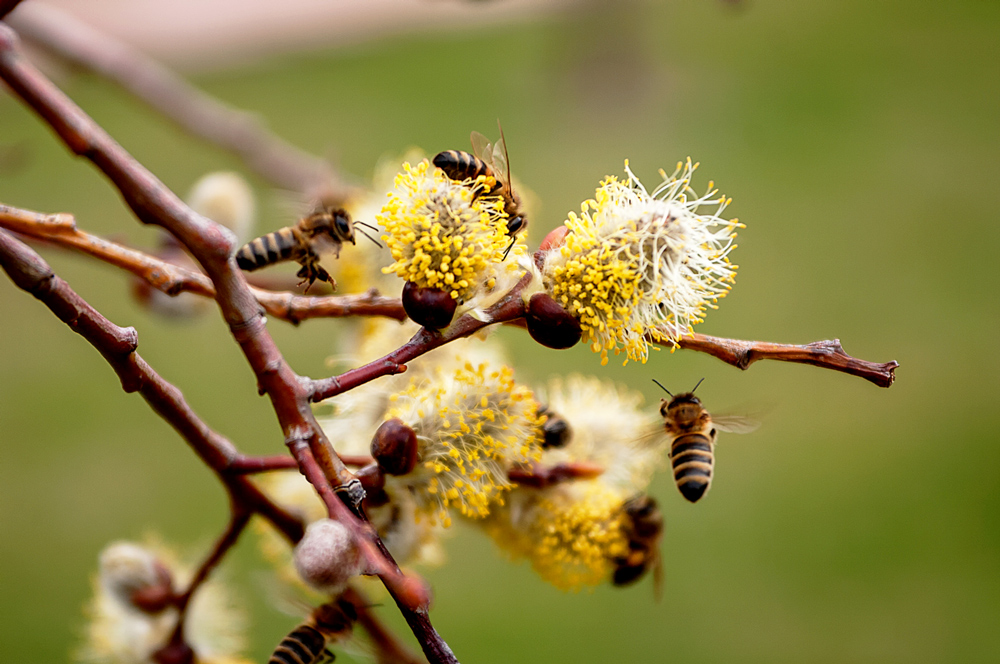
(860, 142)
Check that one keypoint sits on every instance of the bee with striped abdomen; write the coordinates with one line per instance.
(320, 232)
(643, 527)
(693, 433)
(307, 643)
(489, 160)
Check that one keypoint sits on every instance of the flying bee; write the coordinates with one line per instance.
(643, 528)
(694, 431)
(323, 231)
(490, 160)
(307, 643)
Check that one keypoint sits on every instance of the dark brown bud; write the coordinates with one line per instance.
(155, 597)
(175, 652)
(394, 447)
(372, 477)
(431, 307)
(551, 325)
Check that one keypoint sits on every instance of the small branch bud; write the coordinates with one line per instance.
(394, 447)
(551, 325)
(430, 307)
(555, 238)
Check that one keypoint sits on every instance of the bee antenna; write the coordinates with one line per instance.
(365, 224)
(696, 386)
(662, 388)
(509, 247)
(377, 243)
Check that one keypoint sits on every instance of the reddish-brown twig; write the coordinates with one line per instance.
(509, 308)
(538, 476)
(826, 354)
(239, 518)
(61, 230)
(118, 346)
(211, 246)
(27, 269)
(194, 111)
(388, 649)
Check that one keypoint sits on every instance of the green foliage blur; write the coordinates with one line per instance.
(860, 143)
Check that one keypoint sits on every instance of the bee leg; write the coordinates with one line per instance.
(327, 657)
(308, 273)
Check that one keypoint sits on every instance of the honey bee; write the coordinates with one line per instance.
(490, 160)
(694, 432)
(307, 643)
(321, 232)
(643, 528)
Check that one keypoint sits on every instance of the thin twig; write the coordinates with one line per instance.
(194, 111)
(511, 307)
(538, 476)
(32, 274)
(61, 230)
(238, 521)
(248, 465)
(825, 354)
(388, 649)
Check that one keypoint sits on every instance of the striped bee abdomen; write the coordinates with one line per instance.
(305, 645)
(691, 458)
(267, 249)
(459, 165)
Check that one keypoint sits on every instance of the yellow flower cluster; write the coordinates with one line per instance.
(573, 532)
(472, 425)
(440, 235)
(637, 264)
(570, 535)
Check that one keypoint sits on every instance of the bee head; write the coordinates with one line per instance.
(343, 229)
(515, 224)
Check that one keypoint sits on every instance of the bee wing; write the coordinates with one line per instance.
(500, 164)
(732, 423)
(481, 147)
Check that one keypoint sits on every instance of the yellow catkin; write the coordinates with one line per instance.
(472, 424)
(637, 266)
(439, 234)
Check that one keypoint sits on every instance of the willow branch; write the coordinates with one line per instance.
(239, 518)
(388, 649)
(248, 465)
(825, 354)
(212, 247)
(61, 230)
(118, 346)
(510, 308)
(201, 115)
(538, 476)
